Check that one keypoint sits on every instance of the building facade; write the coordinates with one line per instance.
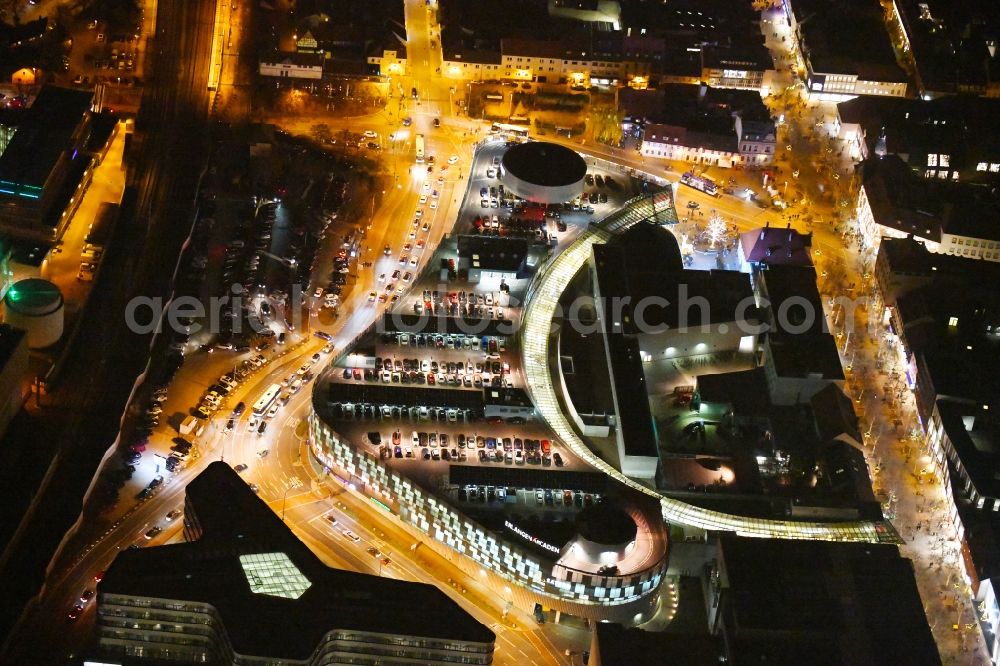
(593, 596)
(292, 65)
(242, 589)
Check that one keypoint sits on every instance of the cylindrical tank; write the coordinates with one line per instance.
(36, 306)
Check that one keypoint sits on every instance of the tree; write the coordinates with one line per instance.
(321, 132)
(606, 122)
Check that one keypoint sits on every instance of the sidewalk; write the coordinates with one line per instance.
(902, 475)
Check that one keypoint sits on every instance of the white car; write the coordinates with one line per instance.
(318, 293)
(434, 205)
(452, 159)
(427, 187)
(372, 296)
(423, 199)
(369, 134)
(381, 277)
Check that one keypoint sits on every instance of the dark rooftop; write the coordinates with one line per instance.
(959, 127)
(298, 58)
(899, 199)
(864, 50)
(506, 396)
(821, 602)
(43, 135)
(618, 646)
(645, 263)
(774, 245)
(950, 43)
(635, 419)
(745, 390)
(493, 253)
(798, 338)
(834, 414)
(544, 164)
(235, 523)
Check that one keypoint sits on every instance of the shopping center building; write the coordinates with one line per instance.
(569, 530)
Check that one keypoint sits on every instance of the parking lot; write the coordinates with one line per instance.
(422, 448)
(487, 199)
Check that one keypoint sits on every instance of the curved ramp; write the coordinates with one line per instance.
(539, 311)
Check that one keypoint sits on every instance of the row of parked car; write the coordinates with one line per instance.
(214, 395)
(487, 343)
(542, 497)
(438, 446)
(371, 412)
(432, 373)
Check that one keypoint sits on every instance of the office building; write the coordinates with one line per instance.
(956, 218)
(292, 65)
(811, 602)
(244, 590)
(709, 126)
(839, 62)
(45, 164)
(951, 45)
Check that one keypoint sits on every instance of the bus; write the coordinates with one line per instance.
(420, 148)
(699, 183)
(266, 399)
(512, 132)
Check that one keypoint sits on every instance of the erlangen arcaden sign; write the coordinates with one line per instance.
(524, 535)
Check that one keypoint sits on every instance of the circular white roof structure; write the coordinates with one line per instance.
(36, 306)
(543, 172)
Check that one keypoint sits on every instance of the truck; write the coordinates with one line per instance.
(191, 426)
(420, 148)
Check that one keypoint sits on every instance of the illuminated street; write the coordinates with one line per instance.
(337, 214)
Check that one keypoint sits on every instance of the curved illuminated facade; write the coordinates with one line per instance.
(535, 339)
(558, 582)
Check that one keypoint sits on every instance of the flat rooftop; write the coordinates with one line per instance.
(798, 338)
(239, 530)
(821, 602)
(545, 164)
(950, 42)
(902, 200)
(864, 49)
(42, 136)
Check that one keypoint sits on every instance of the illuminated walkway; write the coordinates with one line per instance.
(540, 308)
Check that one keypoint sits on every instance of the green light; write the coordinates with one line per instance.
(14, 294)
(382, 505)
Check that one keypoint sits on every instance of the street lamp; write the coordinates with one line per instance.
(295, 483)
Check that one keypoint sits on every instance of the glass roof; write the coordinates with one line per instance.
(274, 574)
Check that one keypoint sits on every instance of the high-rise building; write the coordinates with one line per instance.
(245, 590)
